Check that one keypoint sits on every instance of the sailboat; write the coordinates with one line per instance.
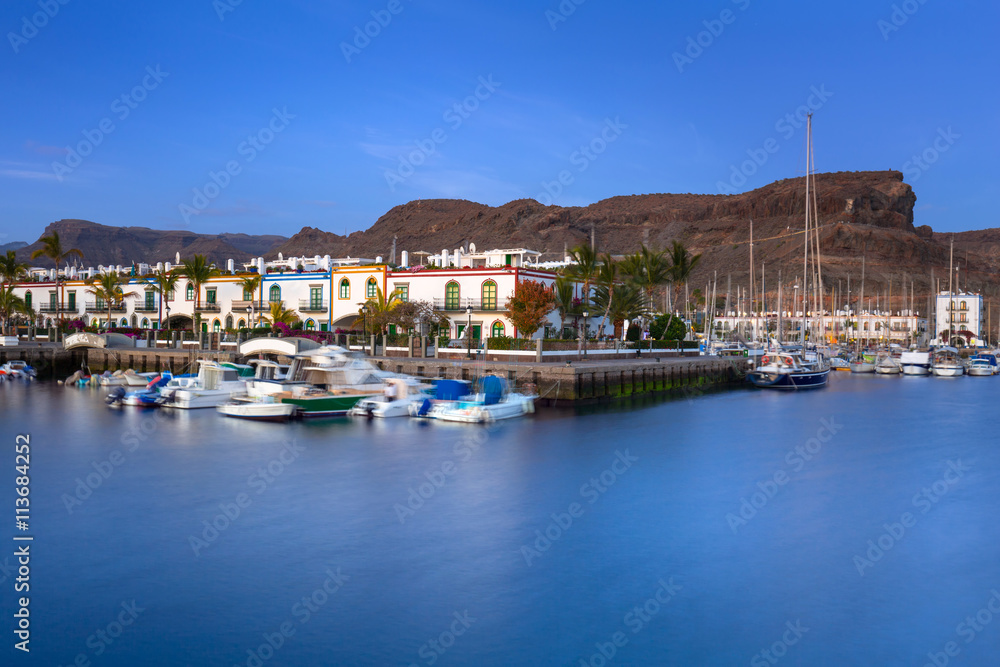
(787, 370)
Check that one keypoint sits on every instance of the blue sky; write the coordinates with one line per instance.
(303, 122)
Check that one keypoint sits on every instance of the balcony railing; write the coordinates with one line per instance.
(461, 304)
(146, 308)
(209, 308)
(94, 307)
(312, 306)
(243, 305)
(49, 307)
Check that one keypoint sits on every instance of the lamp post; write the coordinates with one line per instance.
(364, 325)
(468, 331)
(586, 314)
(250, 316)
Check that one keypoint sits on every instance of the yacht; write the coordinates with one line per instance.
(787, 370)
(915, 363)
(214, 385)
(982, 364)
(492, 402)
(946, 362)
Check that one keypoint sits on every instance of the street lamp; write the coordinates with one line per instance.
(250, 316)
(586, 314)
(364, 326)
(468, 331)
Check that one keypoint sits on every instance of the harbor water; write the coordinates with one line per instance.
(851, 525)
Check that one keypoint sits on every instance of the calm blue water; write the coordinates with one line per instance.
(466, 568)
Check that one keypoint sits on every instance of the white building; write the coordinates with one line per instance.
(960, 313)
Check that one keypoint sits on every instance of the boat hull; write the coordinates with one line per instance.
(916, 369)
(266, 412)
(800, 380)
(324, 406)
(862, 367)
(947, 371)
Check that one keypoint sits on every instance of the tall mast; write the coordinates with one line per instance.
(753, 321)
(805, 249)
(951, 295)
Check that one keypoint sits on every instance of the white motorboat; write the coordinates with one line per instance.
(399, 395)
(263, 408)
(915, 363)
(17, 370)
(946, 362)
(979, 368)
(493, 402)
(213, 386)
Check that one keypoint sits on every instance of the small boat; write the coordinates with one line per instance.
(839, 364)
(863, 363)
(127, 378)
(888, 365)
(399, 395)
(18, 370)
(915, 363)
(143, 398)
(787, 370)
(262, 408)
(979, 368)
(494, 401)
(946, 362)
(984, 363)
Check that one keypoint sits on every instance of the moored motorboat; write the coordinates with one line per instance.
(18, 370)
(395, 401)
(213, 386)
(979, 367)
(915, 363)
(863, 363)
(946, 362)
(786, 370)
(493, 401)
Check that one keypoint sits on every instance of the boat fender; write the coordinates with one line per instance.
(425, 407)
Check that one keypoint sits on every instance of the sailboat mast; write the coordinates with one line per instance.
(951, 295)
(805, 250)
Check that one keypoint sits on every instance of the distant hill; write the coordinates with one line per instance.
(14, 245)
(105, 245)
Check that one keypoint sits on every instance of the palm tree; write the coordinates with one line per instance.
(164, 282)
(251, 284)
(52, 248)
(198, 270)
(565, 300)
(627, 304)
(380, 307)
(280, 314)
(107, 287)
(682, 263)
(10, 268)
(607, 274)
(10, 305)
(585, 268)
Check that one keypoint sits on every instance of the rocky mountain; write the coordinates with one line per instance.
(868, 214)
(102, 244)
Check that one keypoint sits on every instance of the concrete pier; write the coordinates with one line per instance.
(559, 383)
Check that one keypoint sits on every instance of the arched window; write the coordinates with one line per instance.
(189, 292)
(965, 306)
(310, 325)
(866, 326)
(216, 325)
(274, 294)
(134, 321)
(345, 288)
(489, 295)
(371, 289)
(243, 324)
(27, 300)
(145, 323)
(452, 300)
(229, 321)
(497, 329)
(124, 322)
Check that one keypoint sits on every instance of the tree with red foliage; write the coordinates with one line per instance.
(529, 306)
